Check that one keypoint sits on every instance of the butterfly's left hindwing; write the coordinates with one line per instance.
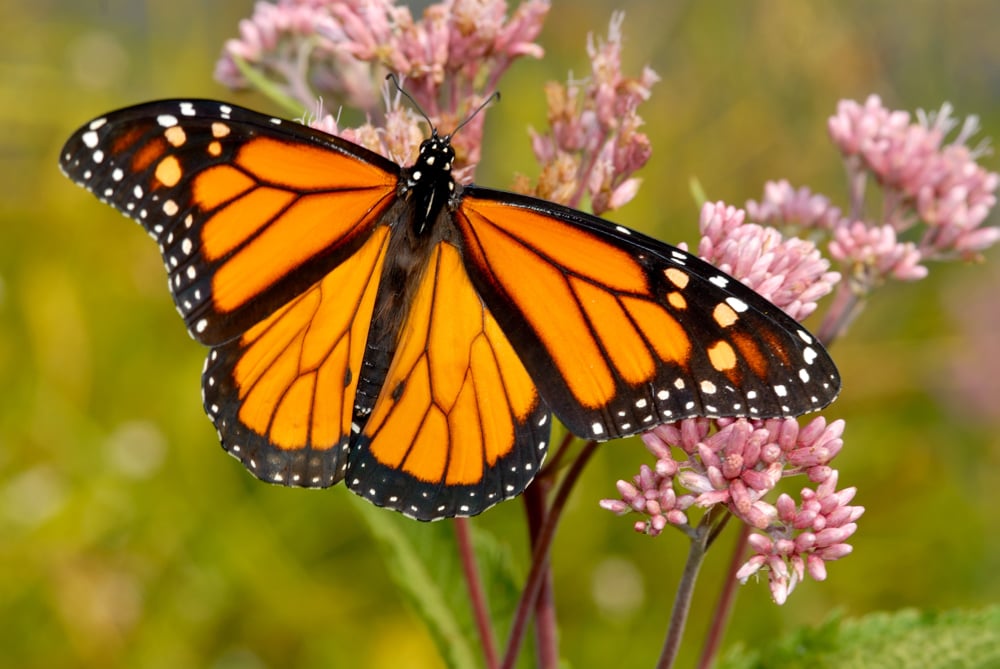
(282, 396)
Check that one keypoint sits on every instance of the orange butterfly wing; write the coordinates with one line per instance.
(245, 217)
(458, 425)
(622, 332)
(282, 395)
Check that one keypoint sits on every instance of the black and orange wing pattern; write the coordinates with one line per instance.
(387, 325)
(622, 332)
(245, 213)
(459, 425)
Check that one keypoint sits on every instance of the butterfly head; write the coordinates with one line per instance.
(429, 181)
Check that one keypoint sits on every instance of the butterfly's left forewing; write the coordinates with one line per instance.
(622, 332)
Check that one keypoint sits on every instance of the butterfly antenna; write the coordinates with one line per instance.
(495, 97)
(395, 82)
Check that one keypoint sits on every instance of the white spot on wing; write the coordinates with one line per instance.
(737, 304)
(719, 281)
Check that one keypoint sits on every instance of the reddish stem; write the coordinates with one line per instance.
(540, 554)
(546, 633)
(477, 598)
(724, 607)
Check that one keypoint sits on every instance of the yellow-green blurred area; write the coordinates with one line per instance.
(129, 539)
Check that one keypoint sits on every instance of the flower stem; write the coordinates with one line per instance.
(724, 607)
(846, 306)
(539, 560)
(685, 592)
(476, 596)
(546, 633)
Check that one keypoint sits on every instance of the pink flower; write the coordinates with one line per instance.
(593, 145)
(874, 254)
(783, 205)
(398, 136)
(804, 537)
(925, 177)
(791, 273)
(450, 60)
(738, 466)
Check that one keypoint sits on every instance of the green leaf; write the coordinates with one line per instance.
(422, 559)
(904, 639)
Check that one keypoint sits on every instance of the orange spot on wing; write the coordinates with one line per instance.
(175, 135)
(722, 356)
(677, 301)
(677, 277)
(169, 172)
(724, 315)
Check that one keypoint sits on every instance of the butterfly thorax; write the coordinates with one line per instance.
(428, 184)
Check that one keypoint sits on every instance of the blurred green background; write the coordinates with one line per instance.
(128, 538)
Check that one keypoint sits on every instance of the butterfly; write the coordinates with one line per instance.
(387, 326)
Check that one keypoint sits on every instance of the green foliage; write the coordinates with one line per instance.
(422, 560)
(901, 640)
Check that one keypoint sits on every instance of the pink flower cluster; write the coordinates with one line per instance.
(785, 205)
(804, 538)
(924, 177)
(924, 181)
(450, 60)
(593, 145)
(738, 466)
(790, 272)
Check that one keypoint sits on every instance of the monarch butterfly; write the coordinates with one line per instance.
(388, 326)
